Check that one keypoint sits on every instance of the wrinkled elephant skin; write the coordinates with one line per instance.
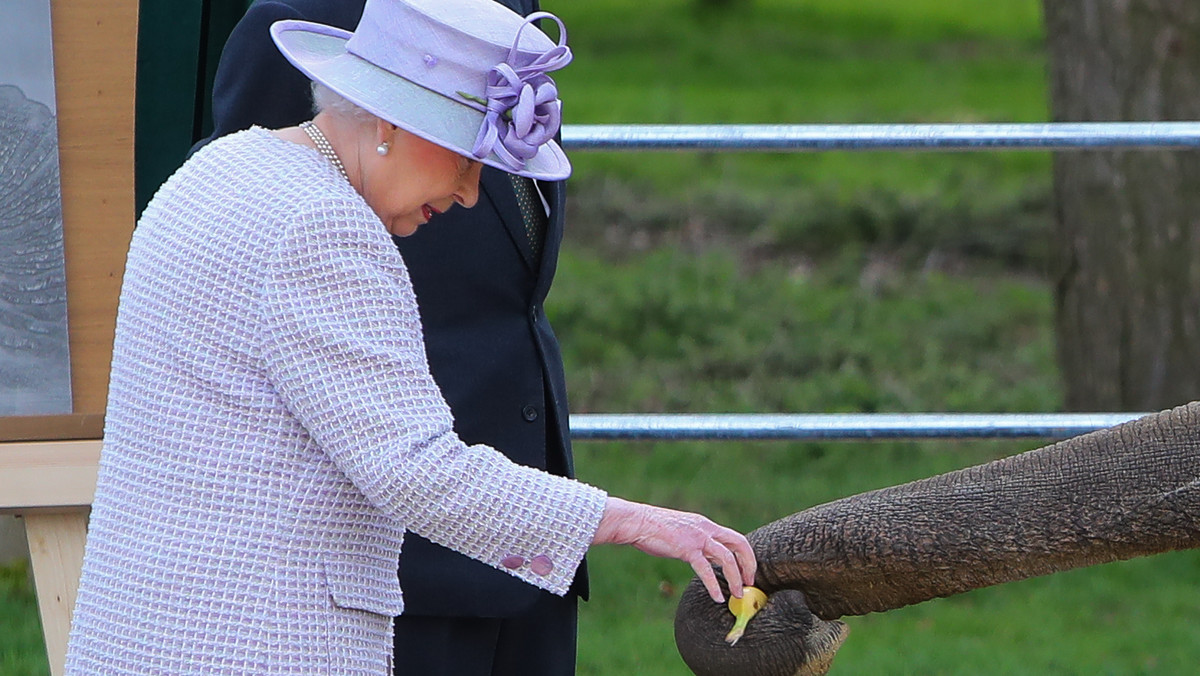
(1128, 491)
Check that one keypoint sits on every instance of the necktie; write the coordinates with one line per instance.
(532, 211)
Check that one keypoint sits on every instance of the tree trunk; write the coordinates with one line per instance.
(1127, 263)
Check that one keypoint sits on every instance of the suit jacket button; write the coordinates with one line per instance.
(541, 565)
(530, 413)
(513, 562)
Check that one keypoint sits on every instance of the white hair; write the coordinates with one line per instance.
(325, 100)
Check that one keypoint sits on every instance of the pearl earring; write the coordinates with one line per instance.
(382, 148)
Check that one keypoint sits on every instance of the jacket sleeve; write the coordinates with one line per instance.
(342, 345)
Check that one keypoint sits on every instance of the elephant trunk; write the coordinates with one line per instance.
(1128, 491)
(1119, 493)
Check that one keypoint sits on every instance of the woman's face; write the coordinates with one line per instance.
(417, 179)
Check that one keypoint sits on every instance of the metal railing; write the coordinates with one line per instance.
(838, 426)
(814, 138)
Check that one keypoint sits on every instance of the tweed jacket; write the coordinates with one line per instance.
(480, 289)
(273, 429)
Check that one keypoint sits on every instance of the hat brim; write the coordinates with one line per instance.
(319, 52)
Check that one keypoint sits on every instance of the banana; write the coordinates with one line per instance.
(753, 599)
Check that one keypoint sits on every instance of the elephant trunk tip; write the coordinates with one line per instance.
(784, 638)
(744, 609)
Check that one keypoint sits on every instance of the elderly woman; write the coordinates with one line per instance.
(272, 427)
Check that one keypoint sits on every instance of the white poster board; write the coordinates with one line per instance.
(35, 362)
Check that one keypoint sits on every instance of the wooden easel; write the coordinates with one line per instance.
(48, 464)
(50, 484)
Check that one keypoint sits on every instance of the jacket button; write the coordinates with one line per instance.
(513, 562)
(541, 565)
(530, 413)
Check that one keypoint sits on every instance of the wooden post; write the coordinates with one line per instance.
(56, 543)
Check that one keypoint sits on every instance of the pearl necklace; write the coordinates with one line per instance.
(322, 143)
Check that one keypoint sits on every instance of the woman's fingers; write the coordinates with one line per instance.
(719, 554)
(747, 564)
(704, 571)
(732, 552)
(715, 552)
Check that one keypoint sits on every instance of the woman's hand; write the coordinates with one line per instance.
(693, 538)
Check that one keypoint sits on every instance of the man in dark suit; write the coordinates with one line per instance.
(480, 277)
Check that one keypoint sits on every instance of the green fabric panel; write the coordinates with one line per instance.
(179, 43)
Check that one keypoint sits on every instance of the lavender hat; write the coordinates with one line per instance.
(468, 75)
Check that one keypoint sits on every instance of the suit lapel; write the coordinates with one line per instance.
(499, 190)
(554, 192)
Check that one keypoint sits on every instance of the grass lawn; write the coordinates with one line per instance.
(22, 650)
(910, 341)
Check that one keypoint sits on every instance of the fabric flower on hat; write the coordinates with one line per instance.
(523, 108)
(522, 114)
